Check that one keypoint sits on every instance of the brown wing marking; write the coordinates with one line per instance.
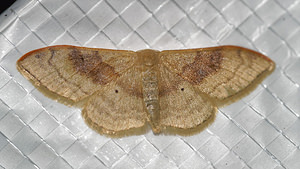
(220, 72)
(74, 72)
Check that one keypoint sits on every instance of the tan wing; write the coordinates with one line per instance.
(74, 72)
(118, 106)
(220, 72)
(181, 105)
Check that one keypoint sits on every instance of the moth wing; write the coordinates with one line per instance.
(220, 72)
(74, 72)
(118, 106)
(181, 105)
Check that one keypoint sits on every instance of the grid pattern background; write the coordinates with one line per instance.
(260, 131)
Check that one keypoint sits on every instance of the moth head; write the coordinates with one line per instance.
(148, 57)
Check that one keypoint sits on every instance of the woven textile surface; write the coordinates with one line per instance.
(262, 130)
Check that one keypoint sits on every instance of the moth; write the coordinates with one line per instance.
(124, 90)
